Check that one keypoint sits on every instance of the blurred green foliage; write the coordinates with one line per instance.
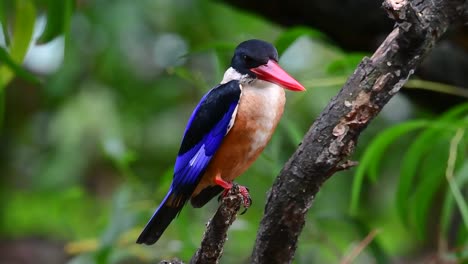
(428, 162)
(88, 143)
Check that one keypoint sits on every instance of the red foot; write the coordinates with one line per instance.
(244, 191)
(226, 185)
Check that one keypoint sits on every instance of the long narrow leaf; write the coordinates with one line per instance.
(375, 152)
(461, 201)
(25, 17)
(295, 135)
(288, 37)
(69, 7)
(456, 183)
(413, 156)
(2, 107)
(4, 22)
(437, 87)
(55, 18)
(18, 70)
(58, 18)
(432, 172)
(23, 29)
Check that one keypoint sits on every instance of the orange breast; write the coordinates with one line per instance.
(258, 114)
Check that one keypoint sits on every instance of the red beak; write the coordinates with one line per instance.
(272, 72)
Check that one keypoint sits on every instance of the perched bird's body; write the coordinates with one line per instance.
(258, 113)
(226, 133)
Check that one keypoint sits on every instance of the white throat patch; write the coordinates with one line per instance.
(232, 74)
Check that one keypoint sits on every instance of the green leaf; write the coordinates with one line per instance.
(102, 256)
(410, 165)
(18, 70)
(288, 37)
(2, 107)
(432, 172)
(58, 17)
(346, 64)
(5, 7)
(461, 179)
(122, 219)
(462, 239)
(293, 131)
(221, 46)
(63, 218)
(23, 29)
(25, 17)
(370, 160)
(437, 87)
(420, 146)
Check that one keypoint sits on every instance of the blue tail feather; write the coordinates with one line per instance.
(160, 220)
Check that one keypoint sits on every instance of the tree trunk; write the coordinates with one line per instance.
(333, 136)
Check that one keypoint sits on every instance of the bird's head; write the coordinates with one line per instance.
(259, 59)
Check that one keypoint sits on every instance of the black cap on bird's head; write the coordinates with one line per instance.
(251, 54)
(258, 58)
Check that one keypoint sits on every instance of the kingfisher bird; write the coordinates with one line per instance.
(227, 131)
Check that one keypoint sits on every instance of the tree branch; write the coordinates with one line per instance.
(215, 235)
(333, 136)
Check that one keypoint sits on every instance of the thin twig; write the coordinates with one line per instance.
(360, 247)
(437, 87)
(413, 83)
(457, 195)
(442, 244)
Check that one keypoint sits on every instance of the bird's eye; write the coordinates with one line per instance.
(247, 59)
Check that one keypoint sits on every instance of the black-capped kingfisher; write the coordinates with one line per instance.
(229, 128)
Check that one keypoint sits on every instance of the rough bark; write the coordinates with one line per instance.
(211, 248)
(215, 235)
(333, 136)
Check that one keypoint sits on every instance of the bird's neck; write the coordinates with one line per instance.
(260, 99)
(260, 109)
(232, 74)
(265, 99)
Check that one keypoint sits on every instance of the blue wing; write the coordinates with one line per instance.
(204, 134)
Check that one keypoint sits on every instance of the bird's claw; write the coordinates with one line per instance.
(246, 199)
(244, 191)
